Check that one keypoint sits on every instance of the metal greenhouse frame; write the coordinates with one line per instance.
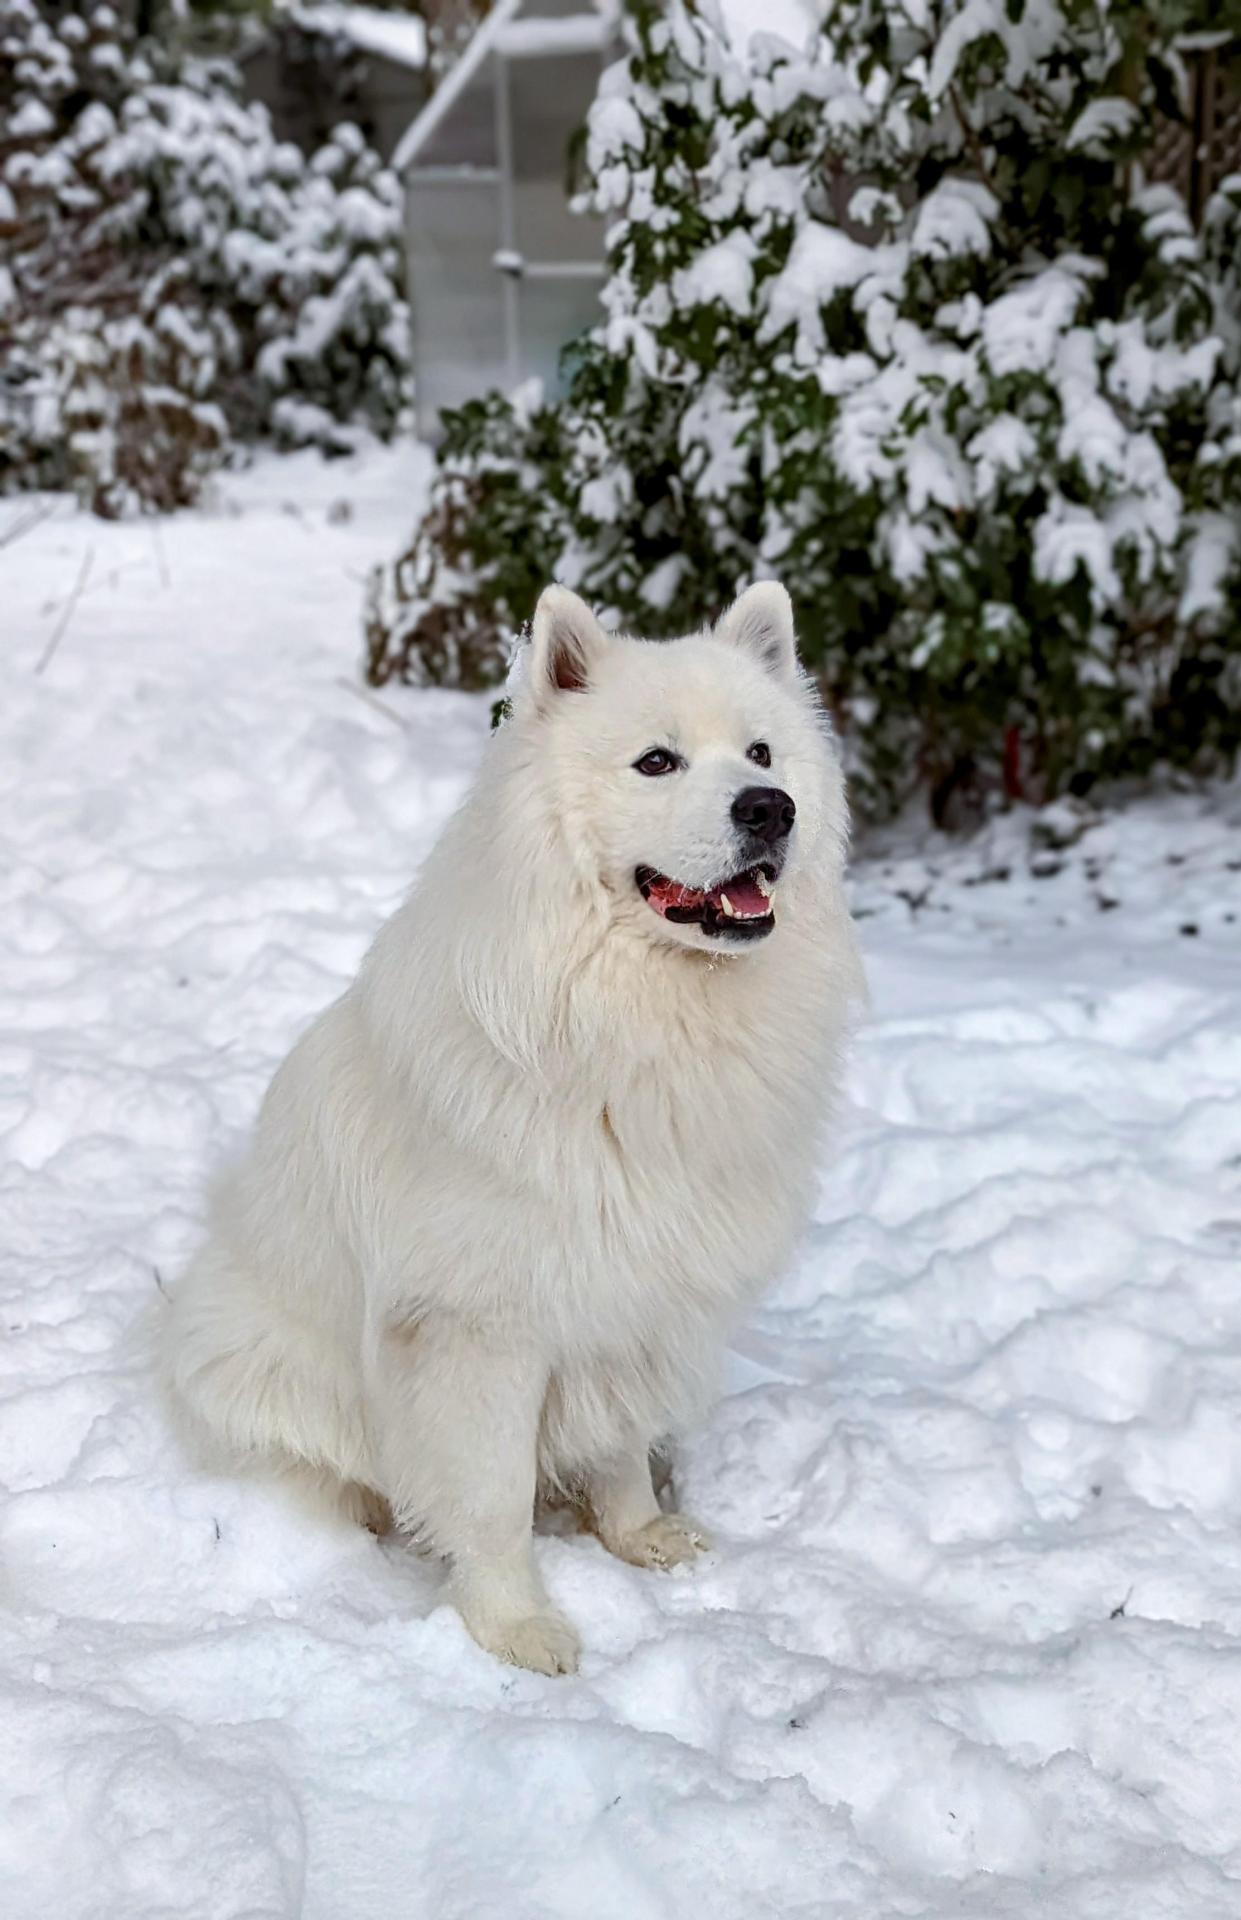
(502, 275)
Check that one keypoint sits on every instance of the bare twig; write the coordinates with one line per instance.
(62, 624)
(26, 521)
(972, 141)
(380, 706)
(295, 513)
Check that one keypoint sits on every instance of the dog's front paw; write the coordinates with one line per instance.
(670, 1540)
(541, 1642)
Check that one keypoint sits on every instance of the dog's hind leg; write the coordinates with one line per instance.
(261, 1386)
(457, 1435)
(628, 1519)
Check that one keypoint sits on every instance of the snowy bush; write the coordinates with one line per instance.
(897, 317)
(172, 278)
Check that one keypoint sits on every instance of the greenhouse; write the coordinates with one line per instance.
(502, 274)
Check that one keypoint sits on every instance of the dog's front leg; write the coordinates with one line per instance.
(628, 1518)
(459, 1420)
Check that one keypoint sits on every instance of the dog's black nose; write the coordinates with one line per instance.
(766, 812)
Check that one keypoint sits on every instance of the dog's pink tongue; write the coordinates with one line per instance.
(745, 898)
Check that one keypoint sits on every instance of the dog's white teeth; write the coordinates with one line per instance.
(729, 909)
(763, 884)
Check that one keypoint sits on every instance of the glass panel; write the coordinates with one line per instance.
(545, 230)
(550, 98)
(550, 314)
(394, 99)
(466, 136)
(455, 293)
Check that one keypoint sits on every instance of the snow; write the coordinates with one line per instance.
(1212, 545)
(823, 262)
(1004, 446)
(399, 37)
(723, 272)
(615, 126)
(986, 20)
(935, 473)
(533, 38)
(1022, 330)
(714, 440)
(792, 21)
(1091, 432)
(970, 1641)
(1100, 125)
(30, 122)
(1068, 536)
(953, 219)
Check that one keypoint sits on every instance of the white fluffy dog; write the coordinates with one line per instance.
(508, 1196)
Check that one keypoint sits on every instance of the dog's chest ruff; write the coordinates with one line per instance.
(699, 1162)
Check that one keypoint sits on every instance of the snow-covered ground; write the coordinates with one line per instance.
(970, 1643)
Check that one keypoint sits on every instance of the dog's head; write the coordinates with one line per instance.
(695, 778)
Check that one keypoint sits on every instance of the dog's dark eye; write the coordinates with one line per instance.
(657, 760)
(759, 752)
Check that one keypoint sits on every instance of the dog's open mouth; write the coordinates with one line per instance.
(738, 909)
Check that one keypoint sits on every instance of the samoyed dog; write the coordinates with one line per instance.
(508, 1196)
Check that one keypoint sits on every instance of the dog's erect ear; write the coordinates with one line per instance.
(761, 622)
(565, 643)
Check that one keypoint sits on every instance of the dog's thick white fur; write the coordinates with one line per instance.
(508, 1195)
